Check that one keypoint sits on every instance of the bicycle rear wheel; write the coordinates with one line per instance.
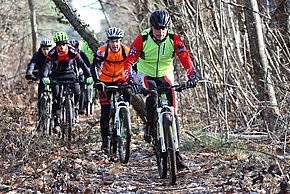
(167, 124)
(124, 140)
(161, 157)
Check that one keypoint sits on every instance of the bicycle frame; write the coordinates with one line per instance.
(67, 108)
(118, 105)
(66, 92)
(166, 135)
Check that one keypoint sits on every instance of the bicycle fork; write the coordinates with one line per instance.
(117, 123)
(161, 129)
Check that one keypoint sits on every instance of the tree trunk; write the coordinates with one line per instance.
(66, 10)
(33, 24)
(260, 74)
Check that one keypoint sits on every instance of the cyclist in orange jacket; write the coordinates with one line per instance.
(109, 62)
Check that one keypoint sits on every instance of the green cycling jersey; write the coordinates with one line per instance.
(160, 63)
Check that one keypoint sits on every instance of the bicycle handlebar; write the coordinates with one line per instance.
(63, 82)
(161, 89)
(114, 88)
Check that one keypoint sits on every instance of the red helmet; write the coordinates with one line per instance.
(74, 43)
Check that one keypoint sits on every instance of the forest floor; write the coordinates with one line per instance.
(30, 162)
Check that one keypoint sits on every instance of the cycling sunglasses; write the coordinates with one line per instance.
(60, 43)
(159, 27)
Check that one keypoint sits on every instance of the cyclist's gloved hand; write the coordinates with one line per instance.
(191, 82)
(136, 89)
(100, 86)
(46, 80)
(89, 80)
(191, 74)
(28, 76)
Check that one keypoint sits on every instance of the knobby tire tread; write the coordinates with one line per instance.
(167, 124)
(124, 143)
(161, 158)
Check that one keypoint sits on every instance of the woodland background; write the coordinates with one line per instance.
(240, 49)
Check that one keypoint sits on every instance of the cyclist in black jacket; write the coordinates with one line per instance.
(75, 44)
(37, 61)
(61, 61)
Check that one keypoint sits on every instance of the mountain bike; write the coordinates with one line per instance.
(45, 111)
(45, 121)
(165, 137)
(120, 136)
(67, 110)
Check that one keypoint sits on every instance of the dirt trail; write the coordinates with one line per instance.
(47, 164)
(30, 162)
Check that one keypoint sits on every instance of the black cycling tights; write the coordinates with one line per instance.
(56, 97)
(151, 101)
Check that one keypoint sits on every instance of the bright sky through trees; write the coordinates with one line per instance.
(90, 13)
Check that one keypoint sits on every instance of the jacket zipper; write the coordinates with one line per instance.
(157, 64)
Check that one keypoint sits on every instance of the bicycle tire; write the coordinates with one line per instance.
(167, 125)
(161, 157)
(49, 116)
(44, 116)
(83, 98)
(113, 138)
(69, 119)
(89, 101)
(41, 114)
(124, 140)
(89, 108)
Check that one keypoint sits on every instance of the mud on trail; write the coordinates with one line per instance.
(30, 162)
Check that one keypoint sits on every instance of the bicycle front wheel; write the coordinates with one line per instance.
(167, 124)
(45, 115)
(68, 113)
(124, 140)
(161, 157)
(90, 100)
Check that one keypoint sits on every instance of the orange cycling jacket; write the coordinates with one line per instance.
(110, 65)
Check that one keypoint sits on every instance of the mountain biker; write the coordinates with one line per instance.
(37, 61)
(75, 43)
(154, 49)
(60, 60)
(88, 51)
(109, 61)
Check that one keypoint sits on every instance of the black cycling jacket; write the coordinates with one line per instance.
(61, 65)
(36, 63)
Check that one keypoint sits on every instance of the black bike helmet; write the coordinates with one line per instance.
(160, 18)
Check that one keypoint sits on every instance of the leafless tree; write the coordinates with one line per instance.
(31, 4)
